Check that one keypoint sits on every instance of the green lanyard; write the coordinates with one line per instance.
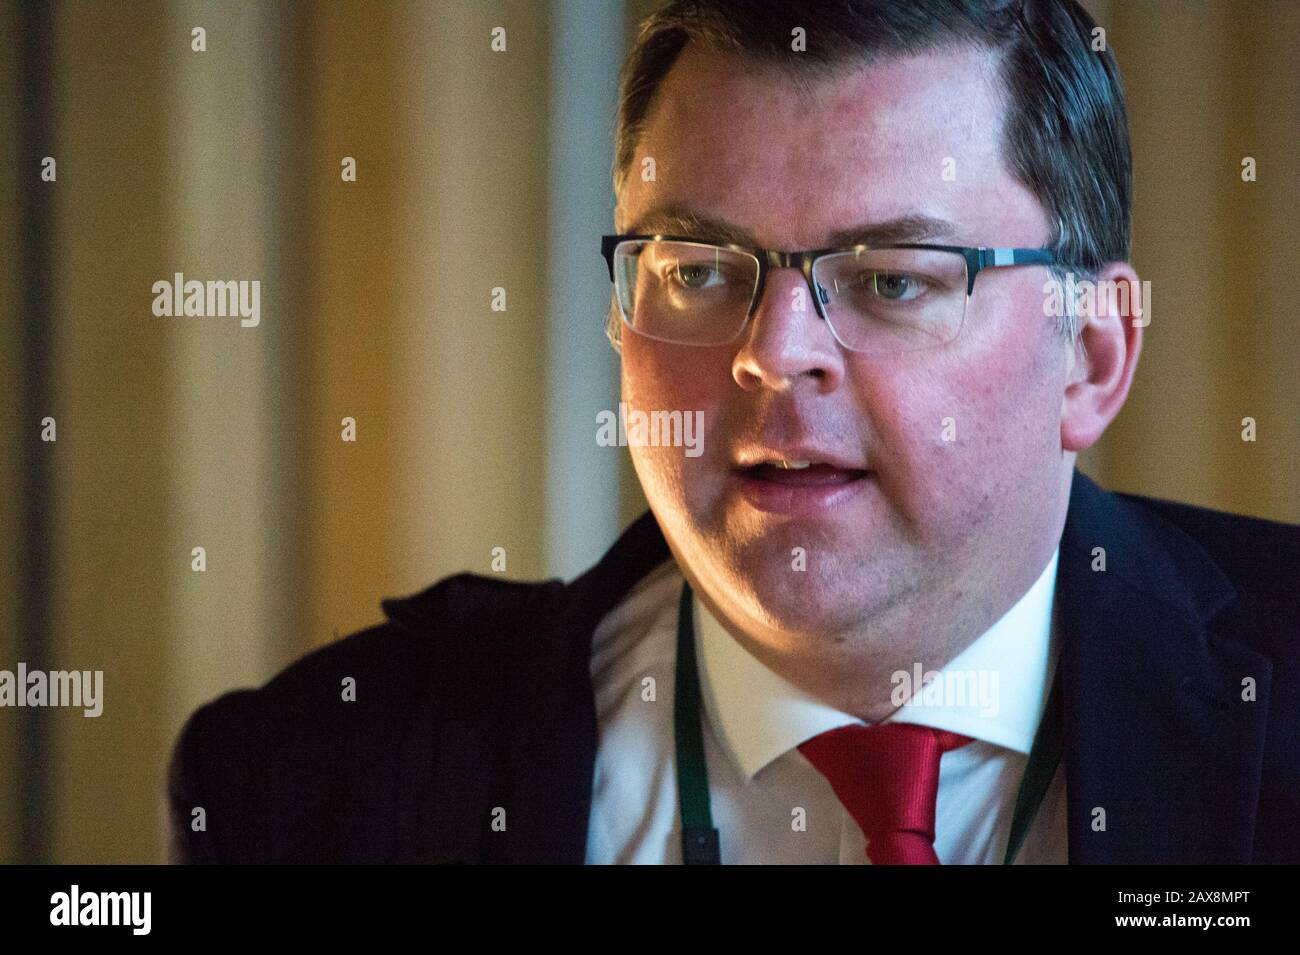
(700, 838)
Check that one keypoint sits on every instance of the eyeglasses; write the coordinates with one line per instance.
(876, 299)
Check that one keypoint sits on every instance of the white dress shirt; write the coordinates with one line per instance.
(770, 805)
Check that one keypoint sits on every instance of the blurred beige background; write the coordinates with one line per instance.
(476, 170)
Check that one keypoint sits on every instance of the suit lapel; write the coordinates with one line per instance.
(1158, 746)
(549, 762)
(506, 730)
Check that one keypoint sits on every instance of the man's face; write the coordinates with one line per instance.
(949, 459)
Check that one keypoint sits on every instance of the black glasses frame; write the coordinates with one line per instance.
(977, 258)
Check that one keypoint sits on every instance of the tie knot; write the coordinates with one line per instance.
(887, 777)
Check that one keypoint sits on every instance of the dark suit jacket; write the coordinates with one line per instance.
(476, 693)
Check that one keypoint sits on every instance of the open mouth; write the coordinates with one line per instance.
(802, 473)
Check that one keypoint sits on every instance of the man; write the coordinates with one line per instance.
(880, 617)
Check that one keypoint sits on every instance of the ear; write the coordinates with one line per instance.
(1112, 313)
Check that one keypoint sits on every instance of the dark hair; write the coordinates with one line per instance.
(1066, 131)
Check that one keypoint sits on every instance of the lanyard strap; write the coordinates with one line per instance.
(699, 837)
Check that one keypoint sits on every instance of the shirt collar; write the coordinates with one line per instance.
(994, 690)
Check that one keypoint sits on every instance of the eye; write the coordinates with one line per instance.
(894, 286)
(696, 276)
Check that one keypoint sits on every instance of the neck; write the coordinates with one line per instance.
(855, 670)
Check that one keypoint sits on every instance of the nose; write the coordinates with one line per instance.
(786, 343)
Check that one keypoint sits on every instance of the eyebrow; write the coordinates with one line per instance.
(682, 220)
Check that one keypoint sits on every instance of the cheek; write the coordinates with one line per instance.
(912, 407)
(1004, 415)
(954, 429)
(1002, 375)
(693, 381)
(657, 376)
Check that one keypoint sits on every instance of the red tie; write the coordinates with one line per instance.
(887, 777)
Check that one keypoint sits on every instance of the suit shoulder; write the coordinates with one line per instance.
(377, 668)
(392, 661)
(299, 768)
(389, 664)
(1255, 553)
(294, 769)
(470, 599)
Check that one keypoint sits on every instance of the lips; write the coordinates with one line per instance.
(794, 456)
(808, 490)
(819, 474)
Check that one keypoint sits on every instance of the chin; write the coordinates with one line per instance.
(810, 606)
(756, 567)
(769, 590)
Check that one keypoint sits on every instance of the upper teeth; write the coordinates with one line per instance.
(790, 465)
